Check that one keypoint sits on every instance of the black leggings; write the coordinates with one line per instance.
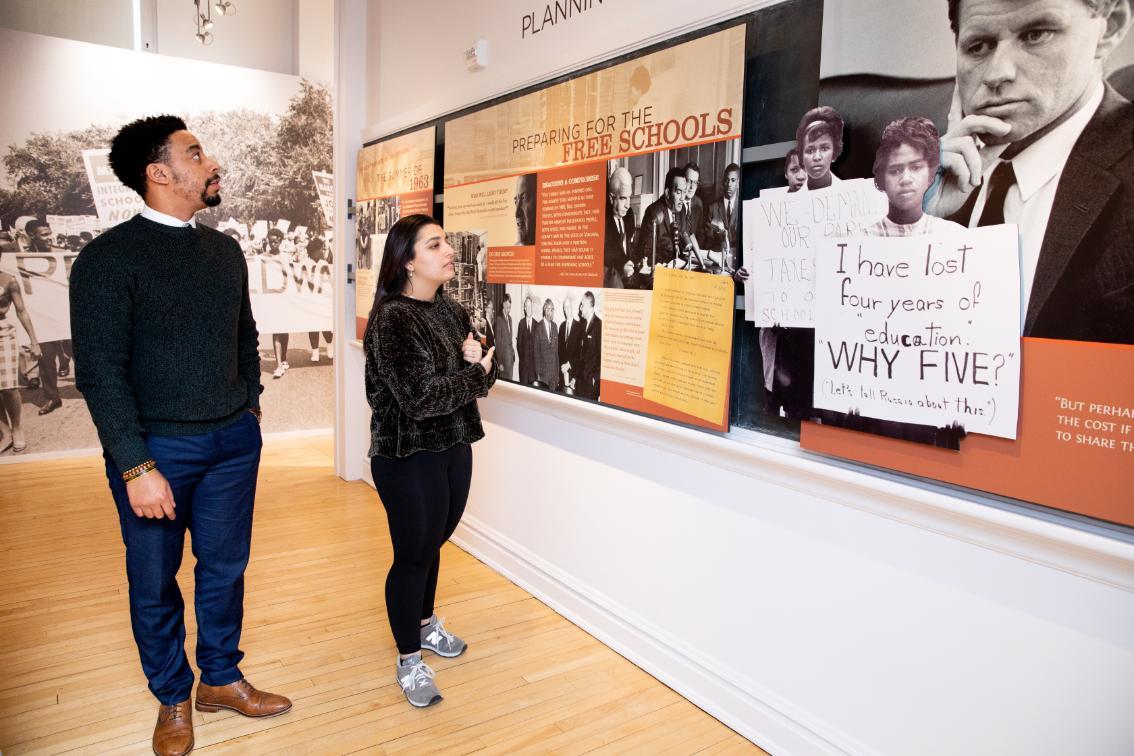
(424, 495)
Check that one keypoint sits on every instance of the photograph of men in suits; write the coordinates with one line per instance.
(505, 355)
(525, 345)
(525, 201)
(664, 231)
(620, 269)
(545, 339)
(570, 339)
(590, 349)
(1039, 139)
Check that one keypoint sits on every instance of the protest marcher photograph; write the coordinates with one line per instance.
(55, 177)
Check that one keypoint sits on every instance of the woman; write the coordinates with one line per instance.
(789, 353)
(424, 371)
(819, 138)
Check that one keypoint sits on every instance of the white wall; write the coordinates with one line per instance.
(811, 606)
(419, 72)
(103, 22)
(285, 36)
(262, 34)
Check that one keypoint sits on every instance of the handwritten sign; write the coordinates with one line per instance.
(782, 233)
(921, 329)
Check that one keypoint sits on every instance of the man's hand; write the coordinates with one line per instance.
(151, 496)
(963, 159)
(471, 349)
(741, 275)
(36, 351)
(628, 269)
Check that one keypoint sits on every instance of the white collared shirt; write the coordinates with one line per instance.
(167, 220)
(1029, 200)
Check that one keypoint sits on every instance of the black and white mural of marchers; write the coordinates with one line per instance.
(270, 132)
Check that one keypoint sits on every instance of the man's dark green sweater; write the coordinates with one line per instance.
(163, 334)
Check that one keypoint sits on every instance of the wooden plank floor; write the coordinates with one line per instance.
(314, 629)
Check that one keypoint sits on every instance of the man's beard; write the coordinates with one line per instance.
(210, 200)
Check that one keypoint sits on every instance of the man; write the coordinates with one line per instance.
(1041, 141)
(664, 234)
(166, 358)
(525, 201)
(694, 208)
(619, 270)
(907, 157)
(505, 355)
(723, 226)
(525, 345)
(590, 349)
(570, 339)
(546, 348)
(55, 356)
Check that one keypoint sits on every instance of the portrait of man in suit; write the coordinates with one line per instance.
(505, 354)
(590, 349)
(546, 348)
(723, 225)
(525, 345)
(620, 269)
(664, 231)
(1038, 138)
(570, 338)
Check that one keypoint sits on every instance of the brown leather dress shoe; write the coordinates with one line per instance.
(242, 698)
(173, 734)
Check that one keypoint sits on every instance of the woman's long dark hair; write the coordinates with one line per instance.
(392, 275)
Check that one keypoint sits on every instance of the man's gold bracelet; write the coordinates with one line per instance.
(139, 471)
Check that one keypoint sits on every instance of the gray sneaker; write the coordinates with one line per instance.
(440, 641)
(416, 679)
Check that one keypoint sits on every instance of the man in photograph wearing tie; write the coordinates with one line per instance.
(525, 346)
(590, 349)
(694, 207)
(505, 355)
(661, 237)
(1037, 138)
(546, 348)
(722, 227)
(619, 270)
(570, 338)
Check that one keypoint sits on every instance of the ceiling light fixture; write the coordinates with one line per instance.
(204, 21)
(225, 7)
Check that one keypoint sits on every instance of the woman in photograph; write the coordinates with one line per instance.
(820, 142)
(424, 372)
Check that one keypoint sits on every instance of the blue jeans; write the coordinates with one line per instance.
(213, 477)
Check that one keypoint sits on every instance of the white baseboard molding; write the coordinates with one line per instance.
(740, 703)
